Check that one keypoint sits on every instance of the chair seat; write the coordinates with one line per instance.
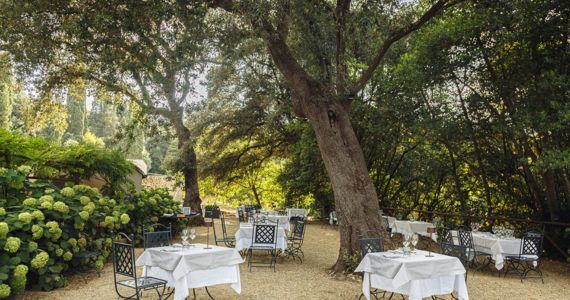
(522, 257)
(258, 247)
(142, 282)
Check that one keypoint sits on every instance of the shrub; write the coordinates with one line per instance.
(145, 208)
(38, 242)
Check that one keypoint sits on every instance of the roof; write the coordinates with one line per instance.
(140, 166)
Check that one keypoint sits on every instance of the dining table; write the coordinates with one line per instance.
(283, 220)
(194, 266)
(245, 233)
(498, 247)
(416, 275)
(406, 227)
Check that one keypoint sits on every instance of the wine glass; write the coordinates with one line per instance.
(415, 240)
(192, 234)
(184, 237)
(406, 244)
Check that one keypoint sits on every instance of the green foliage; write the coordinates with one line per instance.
(43, 236)
(79, 161)
(145, 208)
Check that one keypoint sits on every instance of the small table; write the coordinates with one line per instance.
(417, 276)
(411, 227)
(296, 212)
(497, 247)
(245, 233)
(283, 220)
(194, 267)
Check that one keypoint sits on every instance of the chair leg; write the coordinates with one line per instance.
(208, 292)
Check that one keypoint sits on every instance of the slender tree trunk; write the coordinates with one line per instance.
(355, 197)
(256, 194)
(551, 195)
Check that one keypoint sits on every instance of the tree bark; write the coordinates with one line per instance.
(356, 201)
(190, 169)
(551, 195)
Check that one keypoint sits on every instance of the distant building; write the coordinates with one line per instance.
(140, 172)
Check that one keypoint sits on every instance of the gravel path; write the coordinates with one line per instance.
(311, 279)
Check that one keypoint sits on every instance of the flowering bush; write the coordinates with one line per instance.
(41, 235)
(145, 208)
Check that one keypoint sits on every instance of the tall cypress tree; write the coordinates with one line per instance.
(6, 92)
(77, 112)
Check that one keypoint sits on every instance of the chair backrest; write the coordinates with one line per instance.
(160, 236)
(298, 229)
(531, 243)
(265, 234)
(386, 222)
(124, 257)
(223, 222)
(371, 245)
(241, 214)
(446, 237)
(465, 238)
(455, 250)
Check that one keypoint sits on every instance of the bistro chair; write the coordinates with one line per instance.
(465, 237)
(264, 238)
(124, 266)
(529, 256)
(295, 241)
(371, 245)
(157, 235)
(225, 239)
(451, 248)
(241, 214)
(387, 225)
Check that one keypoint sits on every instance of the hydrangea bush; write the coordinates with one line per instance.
(43, 229)
(146, 207)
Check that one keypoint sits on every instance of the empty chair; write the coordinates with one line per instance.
(124, 266)
(451, 248)
(466, 241)
(264, 238)
(371, 245)
(387, 225)
(295, 241)
(227, 240)
(241, 214)
(332, 218)
(157, 235)
(528, 259)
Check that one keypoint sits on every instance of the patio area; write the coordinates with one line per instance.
(311, 279)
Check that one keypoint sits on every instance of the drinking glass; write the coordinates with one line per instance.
(184, 237)
(192, 234)
(415, 240)
(406, 244)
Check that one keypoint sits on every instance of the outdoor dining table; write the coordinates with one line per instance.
(192, 267)
(283, 220)
(245, 233)
(416, 275)
(497, 247)
(296, 212)
(411, 227)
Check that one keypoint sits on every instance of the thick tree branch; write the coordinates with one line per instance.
(397, 35)
(341, 12)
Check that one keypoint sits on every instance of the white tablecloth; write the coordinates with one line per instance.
(296, 212)
(283, 220)
(192, 267)
(391, 221)
(411, 227)
(417, 276)
(245, 232)
(498, 248)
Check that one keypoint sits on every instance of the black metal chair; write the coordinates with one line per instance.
(241, 214)
(157, 235)
(295, 241)
(529, 256)
(371, 245)
(227, 240)
(465, 237)
(451, 248)
(124, 266)
(387, 225)
(264, 238)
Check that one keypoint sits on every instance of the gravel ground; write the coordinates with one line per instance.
(311, 279)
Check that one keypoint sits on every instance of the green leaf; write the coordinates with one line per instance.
(3, 276)
(15, 260)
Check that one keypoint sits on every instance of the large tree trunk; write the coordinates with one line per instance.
(190, 170)
(551, 195)
(355, 197)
